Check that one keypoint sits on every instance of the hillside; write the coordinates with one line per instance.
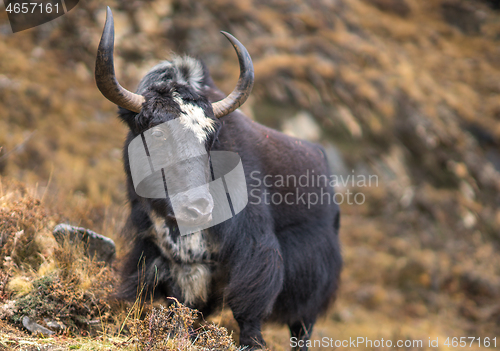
(407, 90)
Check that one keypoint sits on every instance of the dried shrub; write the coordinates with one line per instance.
(172, 328)
(4, 277)
(46, 280)
(72, 289)
(22, 218)
(57, 299)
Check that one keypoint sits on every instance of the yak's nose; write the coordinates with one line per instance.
(199, 208)
(197, 211)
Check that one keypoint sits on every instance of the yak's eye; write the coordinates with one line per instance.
(157, 134)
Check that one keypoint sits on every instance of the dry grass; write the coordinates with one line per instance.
(42, 279)
(21, 221)
(173, 328)
(47, 282)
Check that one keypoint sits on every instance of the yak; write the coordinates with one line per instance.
(273, 254)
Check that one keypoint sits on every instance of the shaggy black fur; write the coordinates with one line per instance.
(275, 262)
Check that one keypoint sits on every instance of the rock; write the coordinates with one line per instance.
(302, 126)
(103, 248)
(36, 328)
(53, 324)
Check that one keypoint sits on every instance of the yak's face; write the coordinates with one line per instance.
(174, 126)
(177, 127)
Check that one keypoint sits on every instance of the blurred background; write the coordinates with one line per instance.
(407, 90)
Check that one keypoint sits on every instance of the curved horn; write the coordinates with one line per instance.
(105, 71)
(244, 85)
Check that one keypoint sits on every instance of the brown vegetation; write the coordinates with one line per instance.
(45, 281)
(60, 285)
(172, 328)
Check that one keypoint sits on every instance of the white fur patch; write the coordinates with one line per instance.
(186, 256)
(193, 118)
(188, 248)
(191, 248)
(194, 71)
(193, 280)
(188, 71)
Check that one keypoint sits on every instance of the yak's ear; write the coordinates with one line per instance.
(129, 117)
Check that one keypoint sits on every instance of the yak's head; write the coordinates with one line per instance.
(173, 126)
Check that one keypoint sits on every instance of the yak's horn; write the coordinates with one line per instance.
(244, 85)
(105, 71)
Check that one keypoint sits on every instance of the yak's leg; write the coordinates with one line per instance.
(256, 279)
(301, 332)
(250, 334)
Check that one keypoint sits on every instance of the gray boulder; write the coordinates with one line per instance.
(36, 328)
(103, 248)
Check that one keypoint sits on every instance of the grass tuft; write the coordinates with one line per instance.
(172, 328)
